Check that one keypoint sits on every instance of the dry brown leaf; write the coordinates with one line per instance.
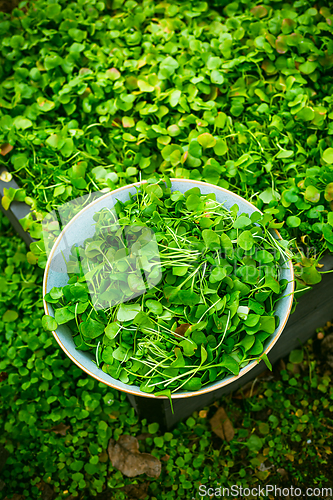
(290, 456)
(143, 436)
(296, 368)
(221, 425)
(137, 491)
(203, 413)
(126, 457)
(103, 457)
(5, 149)
(58, 429)
(282, 365)
(47, 491)
(165, 458)
(181, 329)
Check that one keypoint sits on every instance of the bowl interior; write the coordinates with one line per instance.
(82, 227)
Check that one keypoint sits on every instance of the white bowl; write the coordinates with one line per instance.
(82, 227)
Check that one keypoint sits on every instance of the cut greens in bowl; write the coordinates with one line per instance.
(168, 288)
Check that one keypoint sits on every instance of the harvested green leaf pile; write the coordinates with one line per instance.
(213, 278)
(92, 95)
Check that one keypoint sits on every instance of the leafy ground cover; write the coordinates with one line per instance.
(95, 95)
(56, 422)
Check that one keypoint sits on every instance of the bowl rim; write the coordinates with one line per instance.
(183, 394)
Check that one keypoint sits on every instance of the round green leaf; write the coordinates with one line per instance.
(111, 330)
(206, 140)
(67, 148)
(145, 86)
(55, 141)
(296, 356)
(195, 149)
(188, 298)
(312, 194)
(153, 428)
(192, 202)
(211, 238)
(107, 356)
(194, 384)
(44, 104)
(254, 443)
(220, 147)
(49, 323)
(127, 312)
(91, 328)
(329, 192)
(63, 315)
(281, 44)
(216, 77)
(22, 123)
(306, 114)
(293, 221)
(155, 306)
(218, 274)
(242, 221)
(245, 240)
(308, 67)
(328, 155)
(10, 316)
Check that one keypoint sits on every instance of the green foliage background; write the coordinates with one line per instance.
(94, 96)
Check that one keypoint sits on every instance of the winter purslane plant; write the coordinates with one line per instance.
(173, 291)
